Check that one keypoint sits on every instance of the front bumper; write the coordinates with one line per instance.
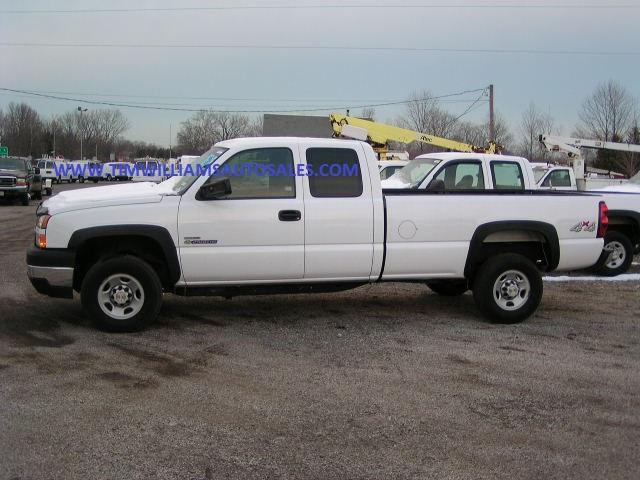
(51, 271)
(12, 191)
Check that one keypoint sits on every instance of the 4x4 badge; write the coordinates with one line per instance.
(584, 226)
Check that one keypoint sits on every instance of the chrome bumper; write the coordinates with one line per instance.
(52, 281)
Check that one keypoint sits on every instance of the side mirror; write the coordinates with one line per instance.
(436, 185)
(214, 188)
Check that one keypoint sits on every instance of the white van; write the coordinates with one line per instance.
(147, 170)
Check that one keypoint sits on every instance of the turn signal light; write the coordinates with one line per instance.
(43, 221)
(603, 220)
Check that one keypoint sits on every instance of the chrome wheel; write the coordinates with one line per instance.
(617, 255)
(121, 296)
(511, 290)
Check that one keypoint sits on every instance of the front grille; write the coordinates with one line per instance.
(7, 181)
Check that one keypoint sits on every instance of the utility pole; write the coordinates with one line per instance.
(169, 140)
(492, 122)
(80, 109)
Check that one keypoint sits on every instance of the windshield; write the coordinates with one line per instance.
(416, 171)
(12, 164)
(538, 173)
(180, 184)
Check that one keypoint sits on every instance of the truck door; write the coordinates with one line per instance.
(255, 234)
(339, 212)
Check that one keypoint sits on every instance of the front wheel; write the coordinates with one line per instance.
(448, 288)
(121, 294)
(25, 200)
(508, 288)
(617, 255)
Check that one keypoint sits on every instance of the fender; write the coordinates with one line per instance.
(159, 234)
(547, 230)
(625, 213)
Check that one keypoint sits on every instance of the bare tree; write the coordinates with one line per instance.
(368, 113)
(22, 127)
(423, 114)
(533, 124)
(205, 128)
(608, 113)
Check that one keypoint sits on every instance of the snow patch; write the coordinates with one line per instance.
(625, 277)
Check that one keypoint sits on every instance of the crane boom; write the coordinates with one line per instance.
(379, 135)
(572, 147)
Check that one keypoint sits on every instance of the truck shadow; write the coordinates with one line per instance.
(369, 303)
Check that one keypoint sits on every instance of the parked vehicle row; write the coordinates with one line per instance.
(122, 246)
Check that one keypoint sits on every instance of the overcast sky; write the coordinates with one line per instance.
(278, 79)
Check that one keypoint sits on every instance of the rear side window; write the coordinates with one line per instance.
(334, 172)
(507, 176)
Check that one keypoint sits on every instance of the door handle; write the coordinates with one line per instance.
(289, 215)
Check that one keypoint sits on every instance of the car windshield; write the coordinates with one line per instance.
(538, 173)
(416, 171)
(180, 184)
(11, 164)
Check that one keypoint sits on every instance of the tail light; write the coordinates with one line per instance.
(603, 220)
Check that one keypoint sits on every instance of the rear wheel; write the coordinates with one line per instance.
(507, 288)
(121, 294)
(448, 288)
(617, 255)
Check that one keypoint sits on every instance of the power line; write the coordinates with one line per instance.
(231, 99)
(327, 47)
(182, 109)
(328, 6)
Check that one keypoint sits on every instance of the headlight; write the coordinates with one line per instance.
(21, 182)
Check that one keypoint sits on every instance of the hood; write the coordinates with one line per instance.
(112, 195)
(395, 182)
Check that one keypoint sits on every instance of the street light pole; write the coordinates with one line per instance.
(80, 109)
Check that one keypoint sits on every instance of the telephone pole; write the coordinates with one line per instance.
(492, 123)
(80, 109)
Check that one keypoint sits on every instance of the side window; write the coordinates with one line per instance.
(260, 173)
(462, 176)
(507, 176)
(388, 171)
(557, 178)
(334, 172)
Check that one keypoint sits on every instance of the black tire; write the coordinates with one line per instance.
(109, 177)
(448, 288)
(81, 179)
(24, 199)
(49, 192)
(617, 255)
(131, 267)
(494, 306)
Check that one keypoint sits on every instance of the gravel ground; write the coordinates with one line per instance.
(386, 381)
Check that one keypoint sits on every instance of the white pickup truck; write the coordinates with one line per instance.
(310, 217)
(458, 172)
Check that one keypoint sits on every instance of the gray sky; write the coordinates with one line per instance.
(317, 78)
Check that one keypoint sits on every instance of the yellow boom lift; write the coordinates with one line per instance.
(379, 135)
